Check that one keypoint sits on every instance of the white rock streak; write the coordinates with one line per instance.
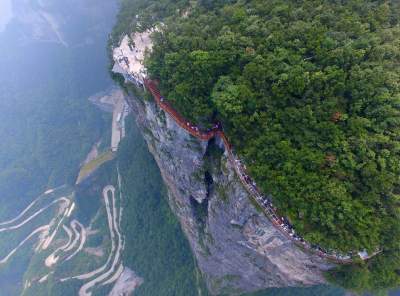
(130, 58)
(127, 282)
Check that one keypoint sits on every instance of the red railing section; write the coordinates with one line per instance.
(240, 169)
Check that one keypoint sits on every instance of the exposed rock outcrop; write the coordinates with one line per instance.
(237, 248)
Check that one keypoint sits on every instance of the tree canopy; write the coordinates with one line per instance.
(309, 94)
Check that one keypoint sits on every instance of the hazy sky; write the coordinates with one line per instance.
(5, 13)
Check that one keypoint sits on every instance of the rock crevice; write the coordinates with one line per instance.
(237, 248)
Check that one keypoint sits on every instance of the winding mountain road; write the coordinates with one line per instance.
(26, 209)
(112, 271)
(62, 199)
(33, 233)
(65, 209)
(112, 265)
(53, 257)
(82, 236)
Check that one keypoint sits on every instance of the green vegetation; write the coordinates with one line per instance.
(313, 291)
(92, 165)
(308, 94)
(47, 123)
(376, 276)
(156, 248)
(309, 101)
(151, 11)
(90, 211)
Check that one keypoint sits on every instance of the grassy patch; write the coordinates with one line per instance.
(222, 192)
(91, 166)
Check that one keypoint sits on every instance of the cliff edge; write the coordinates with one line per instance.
(237, 248)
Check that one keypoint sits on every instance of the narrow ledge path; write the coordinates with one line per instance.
(264, 202)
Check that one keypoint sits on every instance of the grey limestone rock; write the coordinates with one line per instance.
(237, 248)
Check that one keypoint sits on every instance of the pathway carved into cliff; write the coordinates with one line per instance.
(281, 223)
(129, 63)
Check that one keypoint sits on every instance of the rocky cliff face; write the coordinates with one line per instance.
(237, 248)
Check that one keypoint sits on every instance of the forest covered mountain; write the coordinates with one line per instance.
(308, 93)
(55, 234)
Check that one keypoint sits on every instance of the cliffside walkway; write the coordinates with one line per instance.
(264, 202)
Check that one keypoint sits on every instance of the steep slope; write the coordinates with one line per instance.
(236, 246)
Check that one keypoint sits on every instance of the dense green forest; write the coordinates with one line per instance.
(308, 93)
(156, 247)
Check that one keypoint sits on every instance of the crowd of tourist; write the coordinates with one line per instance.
(280, 222)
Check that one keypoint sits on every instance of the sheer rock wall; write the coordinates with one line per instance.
(237, 248)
